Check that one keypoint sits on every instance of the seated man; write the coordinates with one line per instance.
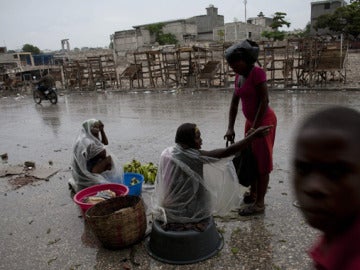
(193, 184)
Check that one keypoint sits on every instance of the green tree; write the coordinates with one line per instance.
(304, 32)
(156, 29)
(307, 29)
(278, 22)
(221, 34)
(31, 49)
(345, 20)
(166, 39)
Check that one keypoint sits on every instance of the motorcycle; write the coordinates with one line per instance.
(49, 94)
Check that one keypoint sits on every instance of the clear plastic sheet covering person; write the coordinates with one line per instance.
(85, 148)
(190, 187)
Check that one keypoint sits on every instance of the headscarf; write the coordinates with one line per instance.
(86, 147)
(88, 124)
(246, 50)
(87, 143)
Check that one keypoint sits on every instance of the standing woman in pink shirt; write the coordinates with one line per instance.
(251, 89)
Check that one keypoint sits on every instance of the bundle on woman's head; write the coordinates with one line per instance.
(185, 135)
(246, 50)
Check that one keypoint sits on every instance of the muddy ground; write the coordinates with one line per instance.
(42, 228)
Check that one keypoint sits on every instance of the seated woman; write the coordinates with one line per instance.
(192, 184)
(90, 163)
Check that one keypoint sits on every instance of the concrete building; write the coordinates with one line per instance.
(18, 69)
(197, 28)
(127, 40)
(319, 8)
(206, 23)
(16, 62)
(181, 29)
(236, 31)
(140, 37)
(260, 20)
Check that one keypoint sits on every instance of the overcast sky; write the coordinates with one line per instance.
(89, 23)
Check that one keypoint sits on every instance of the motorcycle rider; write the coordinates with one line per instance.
(46, 82)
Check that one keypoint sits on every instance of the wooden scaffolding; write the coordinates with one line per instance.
(151, 67)
(133, 72)
(209, 73)
(183, 66)
(288, 63)
(331, 65)
(278, 61)
(190, 62)
(95, 72)
(171, 67)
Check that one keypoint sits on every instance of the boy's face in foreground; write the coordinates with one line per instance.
(327, 177)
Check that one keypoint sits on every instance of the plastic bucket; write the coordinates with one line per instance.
(133, 189)
(79, 197)
(184, 247)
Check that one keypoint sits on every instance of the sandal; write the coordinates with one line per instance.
(248, 198)
(251, 210)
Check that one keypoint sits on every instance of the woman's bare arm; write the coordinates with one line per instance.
(238, 146)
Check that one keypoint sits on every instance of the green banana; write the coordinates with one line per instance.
(148, 170)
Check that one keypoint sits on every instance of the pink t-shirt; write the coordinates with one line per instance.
(247, 92)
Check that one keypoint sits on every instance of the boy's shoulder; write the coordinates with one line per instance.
(343, 253)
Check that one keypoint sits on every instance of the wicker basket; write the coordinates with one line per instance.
(118, 222)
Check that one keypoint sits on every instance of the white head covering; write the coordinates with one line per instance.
(86, 147)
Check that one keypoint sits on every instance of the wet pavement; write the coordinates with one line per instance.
(41, 227)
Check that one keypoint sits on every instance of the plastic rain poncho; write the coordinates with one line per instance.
(190, 187)
(86, 147)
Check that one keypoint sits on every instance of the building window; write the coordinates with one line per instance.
(327, 6)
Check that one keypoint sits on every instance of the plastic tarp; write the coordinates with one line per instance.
(190, 187)
(87, 146)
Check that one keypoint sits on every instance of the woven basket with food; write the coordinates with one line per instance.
(118, 222)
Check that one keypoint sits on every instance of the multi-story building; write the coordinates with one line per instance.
(206, 23)
(260, 20)
(319, 8)
(236, 31)
(194, 28)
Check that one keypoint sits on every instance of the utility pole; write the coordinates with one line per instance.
(245, 2)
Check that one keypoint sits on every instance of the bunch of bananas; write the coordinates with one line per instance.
(148, 170)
